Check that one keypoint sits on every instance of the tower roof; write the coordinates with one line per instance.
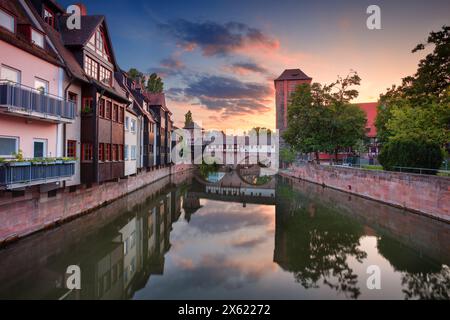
(293, 74)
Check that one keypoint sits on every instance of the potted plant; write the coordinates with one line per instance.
(50, 161)
(19, 160)
(37, 161)
(69, 160)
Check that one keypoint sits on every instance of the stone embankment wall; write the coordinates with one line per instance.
(429, 195)
(35, 211)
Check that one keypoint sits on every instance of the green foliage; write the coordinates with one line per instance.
(188, 120)
(155, 84)
(205, 169)
(411, 153)
(19, 156)
(420, 107)
(288, 155)
(430, 123)
(263, 180)
(321, 118)
(136, 75)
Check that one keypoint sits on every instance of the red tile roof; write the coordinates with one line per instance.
(371, 111)
(19, 40)
(55, 37)
(82, 36)
(157, 99)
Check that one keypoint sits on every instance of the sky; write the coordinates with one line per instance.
(219, 58)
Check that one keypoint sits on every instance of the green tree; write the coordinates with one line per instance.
(288, 155)
(155, 84)
(409, 152)
(420, 105)
(321, 118)
(136, 75)
(429, 124)
(188, 120)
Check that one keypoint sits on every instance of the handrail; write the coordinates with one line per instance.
(26, 173)
(422, 171)
(31, 100)
(4, 81)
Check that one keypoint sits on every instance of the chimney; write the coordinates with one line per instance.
(83, 9)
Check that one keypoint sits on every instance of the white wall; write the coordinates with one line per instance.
(73, 131)
(131, 141)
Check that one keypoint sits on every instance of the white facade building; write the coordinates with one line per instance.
(132, 138)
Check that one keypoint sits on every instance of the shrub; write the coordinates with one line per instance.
(410, 153)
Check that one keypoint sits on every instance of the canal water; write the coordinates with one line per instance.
(286, 239)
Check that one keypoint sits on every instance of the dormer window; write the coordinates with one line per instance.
(98, 44)
(49, 17)
(105, 76)
(37, 38)
(7, 21)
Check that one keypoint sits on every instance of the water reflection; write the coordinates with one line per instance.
(182, 239)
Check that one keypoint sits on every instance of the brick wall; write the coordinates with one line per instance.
(429, 195)
(35, 211)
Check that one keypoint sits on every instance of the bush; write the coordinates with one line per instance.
(409, 153)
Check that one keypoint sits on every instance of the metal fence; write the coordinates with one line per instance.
(361, 166)
(26, 173)
(31, 100)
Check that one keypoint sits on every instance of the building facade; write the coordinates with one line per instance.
(285, 85)
(64, 102)
(34, 109)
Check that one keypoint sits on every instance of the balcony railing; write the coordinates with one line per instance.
(28, 101)
(23, 174)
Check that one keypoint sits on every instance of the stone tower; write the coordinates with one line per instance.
(284, 86)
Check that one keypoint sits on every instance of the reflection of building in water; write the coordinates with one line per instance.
(115, 261)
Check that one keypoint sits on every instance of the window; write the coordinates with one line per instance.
(73, 97)
(105, 76)
(114, 153)
(133, 125)
(127, 123)
(121, 156)
(101, 109)
(49, 17)
(101, 152)
(41, 85)
(121, 114)
(8, 146)
(116, 113)
(108, 152)
(7, 21)
(91, 67)
(37, 38)
(71, 149)
(133, 152)
(99, 41)
(126, 152)
(86, 152)
(39, 148)
(108, 110)
(10, 74)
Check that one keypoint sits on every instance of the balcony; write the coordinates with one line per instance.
(25, 174)
(17, 99)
